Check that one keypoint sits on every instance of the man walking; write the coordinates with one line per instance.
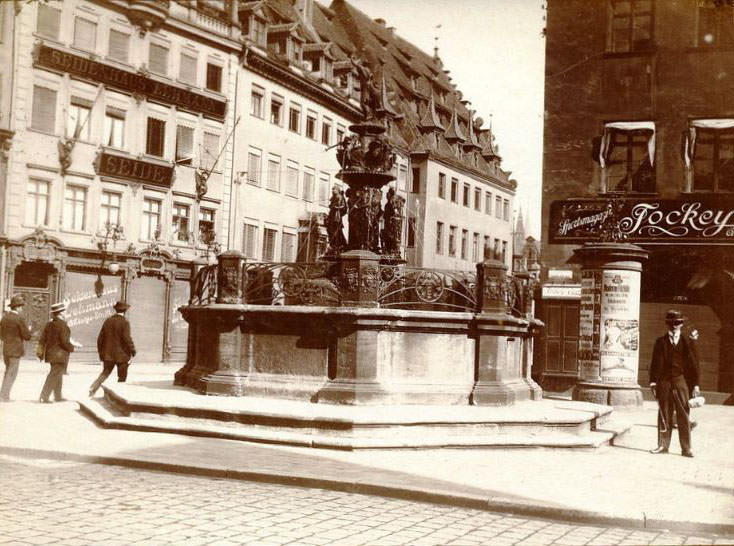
(57, 344)
(673, 370)
(13, 331)
(115, 346)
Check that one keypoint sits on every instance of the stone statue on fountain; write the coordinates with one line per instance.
(393, 225)
(334, 223)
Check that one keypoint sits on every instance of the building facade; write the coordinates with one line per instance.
(637, 107)
(118, 168)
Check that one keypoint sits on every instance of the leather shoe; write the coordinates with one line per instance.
(659, 449)
(687, 454)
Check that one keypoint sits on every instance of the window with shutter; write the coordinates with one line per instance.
(119, 46)
(214, 77)
(158, 59)
(156, 137)
(274, 174)
(184, 145)
(85, 34)
(44, 109)
(269, 236)
(49, 21)
(291, 185)
(324, 190)
(308, 184)
(211, 150)
(249, 241)
(187, 72)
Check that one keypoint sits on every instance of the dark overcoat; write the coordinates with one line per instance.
(56, 339)
(114, 343)
(661, 360)
(13, 331)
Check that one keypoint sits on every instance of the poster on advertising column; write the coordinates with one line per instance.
(620, 326)
(589, 315)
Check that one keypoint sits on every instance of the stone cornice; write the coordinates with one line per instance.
(459, 166)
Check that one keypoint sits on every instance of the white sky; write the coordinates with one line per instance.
(496, 56)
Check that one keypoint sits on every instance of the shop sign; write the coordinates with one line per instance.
(134, 169)
(117, 78)
(562, 291)
(705, 219)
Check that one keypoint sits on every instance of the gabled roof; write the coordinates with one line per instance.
(430, 120)
(471, 144)
(454, 133)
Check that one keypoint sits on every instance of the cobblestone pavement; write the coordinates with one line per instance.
(68, 503)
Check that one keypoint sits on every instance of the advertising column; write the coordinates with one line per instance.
(609, 323)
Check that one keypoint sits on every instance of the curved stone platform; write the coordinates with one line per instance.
(546, 423)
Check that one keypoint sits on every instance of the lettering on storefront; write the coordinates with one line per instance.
(113, 77)
(85, 307)
(704, 220)
(134, 169)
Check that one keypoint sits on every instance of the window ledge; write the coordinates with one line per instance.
(70, 231)
(41, 132)
(625, 54)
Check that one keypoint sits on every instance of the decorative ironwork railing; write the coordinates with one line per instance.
(428, 289)
(276, 283)
(204, 286)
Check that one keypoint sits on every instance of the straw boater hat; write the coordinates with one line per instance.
(121, 306)
(58, 307)
(16, 301)
(673, 316)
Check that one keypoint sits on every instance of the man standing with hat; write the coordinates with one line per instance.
(57, 344)
(673, 374)
(115, 346)
(13, 331)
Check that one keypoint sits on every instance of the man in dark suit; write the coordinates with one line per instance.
(673, 374)
(13, 331)
(115, 346)
(57, 344)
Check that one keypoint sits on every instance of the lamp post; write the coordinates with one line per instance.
(103, 237)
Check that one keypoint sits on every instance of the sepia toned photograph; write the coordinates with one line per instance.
(366, 272)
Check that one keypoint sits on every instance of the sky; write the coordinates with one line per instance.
(495, 53)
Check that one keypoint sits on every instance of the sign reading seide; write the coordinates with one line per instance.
(701, 219)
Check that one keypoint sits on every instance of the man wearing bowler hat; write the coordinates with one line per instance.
(13, 331)
(115, 346)
(57, 344)
(673, 374)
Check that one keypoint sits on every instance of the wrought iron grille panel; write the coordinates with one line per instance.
(426, 289)
(204, 287)
(278, 283)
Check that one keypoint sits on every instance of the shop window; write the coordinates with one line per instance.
(631, 25)
(715, 23)
(187, 69)
(49, 21)
(184, 145)
(326, 132)
(253, 167)
(442, 185)
(150, 228)
(308, 186)
(85, 34)
(114, 128)
(269, 239)
(214, 77)
(454, 190)
(36, 202)
(710, 155)
(452, 240)
(475, 247)
(156, 137)
(119, 46)
(180, 222)
(110, 208)
(249, 241)
(415, 183)
(276, 110)
(294, 118)
(158, 59)
(288, 247)
(256, 102)
(311, 126)
(206, 224)
(273, 182)
(75, 208)
(210, 151)
(439, 237)
(464, 242)
(498, 207)
(78, 125)
(291, 181)
(324, 190)
(626, 157)
(488, 203)
(44, 109)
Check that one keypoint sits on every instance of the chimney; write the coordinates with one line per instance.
(305, 9)
(391, 30)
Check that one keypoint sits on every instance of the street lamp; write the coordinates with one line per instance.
(103, 237)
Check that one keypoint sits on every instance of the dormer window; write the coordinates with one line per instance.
(255, 30)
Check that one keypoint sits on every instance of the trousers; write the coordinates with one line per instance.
(11, 372)
(54, 381)
(108, 366)
(672, 394)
